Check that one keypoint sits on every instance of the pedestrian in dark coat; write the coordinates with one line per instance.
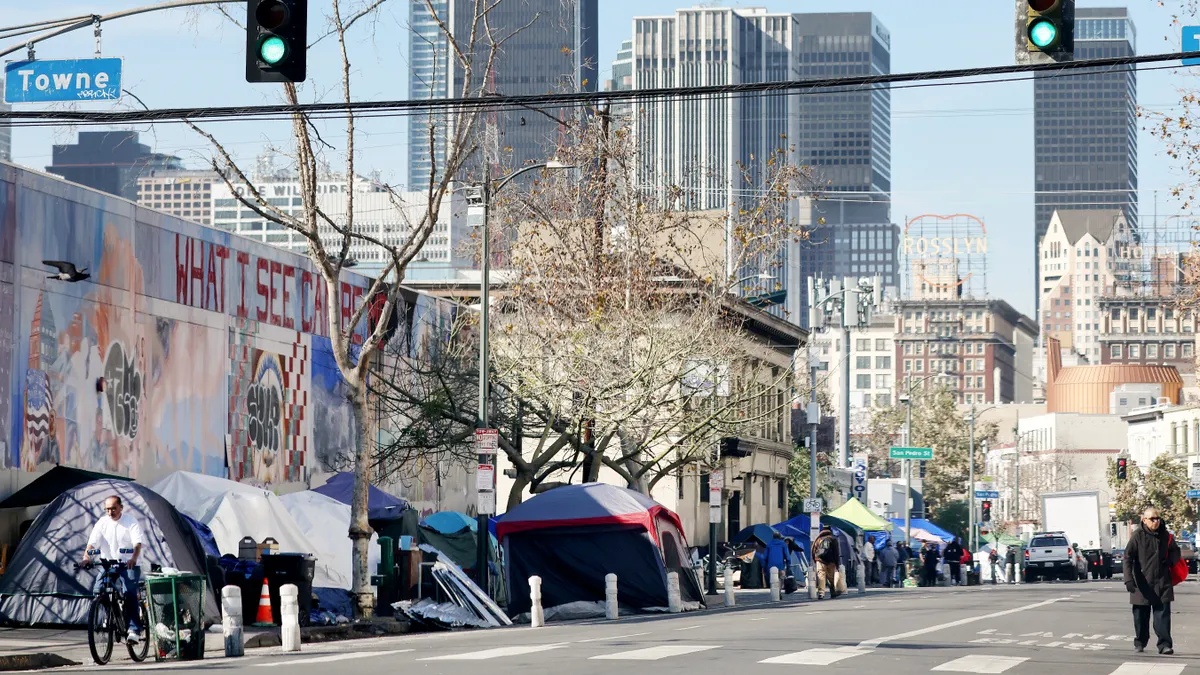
(1148, 559)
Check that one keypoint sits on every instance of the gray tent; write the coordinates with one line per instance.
(41, 586)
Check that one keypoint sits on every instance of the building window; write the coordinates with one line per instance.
(862, 345)
(1187, 350)
(1135, 351)
(863, 381)
(920, 365)
(1152, 351)
(907, 348)
(979, 365)
(1169, 351)
(884, 400)
(908, 365)
(781, 494)
(883, 362)
(862, 362)
(1115, 351)
(883, 381)
(881, 344)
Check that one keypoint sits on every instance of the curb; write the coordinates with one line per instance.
(37, 661)
(349, 631)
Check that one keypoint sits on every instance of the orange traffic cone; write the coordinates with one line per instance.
(264, 617)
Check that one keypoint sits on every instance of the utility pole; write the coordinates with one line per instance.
(971, 540)
(852, 301)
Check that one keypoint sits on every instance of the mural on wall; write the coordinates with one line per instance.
(188, 348)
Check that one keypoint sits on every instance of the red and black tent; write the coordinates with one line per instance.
(573, 536)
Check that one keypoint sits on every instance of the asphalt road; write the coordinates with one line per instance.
(1057, 627)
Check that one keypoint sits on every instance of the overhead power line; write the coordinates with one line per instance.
(446, 105)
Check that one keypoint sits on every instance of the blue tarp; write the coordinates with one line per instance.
(924, 525)
(881, 538)
(205, 535)
(380, 505)
(760, 533)
(450, 522)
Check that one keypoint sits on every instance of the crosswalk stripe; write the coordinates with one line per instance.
(331, 657)
(821, 656)
(498, 652)
(1136, 668)
(978, 663)
(654, 653)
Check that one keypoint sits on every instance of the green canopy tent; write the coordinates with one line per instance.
(855, 513)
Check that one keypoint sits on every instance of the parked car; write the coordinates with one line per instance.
(1118, 561)
(1189, 555)
(1050, 556)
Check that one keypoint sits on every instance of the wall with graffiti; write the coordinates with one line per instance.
(186, 348)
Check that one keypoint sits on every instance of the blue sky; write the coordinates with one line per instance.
(955, 149)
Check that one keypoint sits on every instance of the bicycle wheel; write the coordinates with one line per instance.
(100, 631)
(139, 651)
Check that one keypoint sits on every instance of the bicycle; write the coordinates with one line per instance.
(106, 616)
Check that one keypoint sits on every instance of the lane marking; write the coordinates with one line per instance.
(615, 637)
(820, 612)
(654, 653)
(871, 644)
(892, 602)
(331, 658)
(1136, 668)
(689, 627)
(759, 618)
(977, 663)
(821, 656)
(495, 653)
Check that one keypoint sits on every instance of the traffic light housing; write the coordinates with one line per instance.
(986, 512)
(276, 40)
(1122, 468)
(1112, 529)
(1050, 28)
(922, 469)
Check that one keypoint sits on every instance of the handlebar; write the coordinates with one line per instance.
(108, 565)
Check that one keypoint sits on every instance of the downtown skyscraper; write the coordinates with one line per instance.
(1085, 143)
(556, 53)
(713, 148)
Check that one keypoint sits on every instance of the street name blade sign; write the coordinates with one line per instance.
(1193, 494)
(910, 453)
(62, 80)
(987, 494)
(1190, 42)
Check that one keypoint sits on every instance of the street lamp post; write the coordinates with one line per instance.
(972, 538)
(484, 196)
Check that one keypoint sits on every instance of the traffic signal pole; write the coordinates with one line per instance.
(972, 540)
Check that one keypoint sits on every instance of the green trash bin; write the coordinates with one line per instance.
(176, 613)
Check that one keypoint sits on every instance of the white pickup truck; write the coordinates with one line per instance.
(1050, 556)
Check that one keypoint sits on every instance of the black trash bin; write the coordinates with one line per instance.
(290, 568)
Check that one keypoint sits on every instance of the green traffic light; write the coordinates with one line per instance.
(1043, 33)
(272, 50)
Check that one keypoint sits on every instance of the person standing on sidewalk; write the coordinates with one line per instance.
(1010, 564)
(1149, 555)
(869, 559)
(953, 557)
(826, 554)
(903, 555)
(993, 562)
(888, 557)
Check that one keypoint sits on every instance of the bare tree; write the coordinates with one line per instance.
(451, 138)
(619, 340)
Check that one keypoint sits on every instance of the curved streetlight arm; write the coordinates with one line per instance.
(496, 186)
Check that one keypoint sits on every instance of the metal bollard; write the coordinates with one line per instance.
(862, 578)
(810, 580)
(674, 600)
(840, 579)
(611, 611)
(231, 620)
(1017, 572)
(730, 594)
(774, 584)
(537, 617)
(289, 617)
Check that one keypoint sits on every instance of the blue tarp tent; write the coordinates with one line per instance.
(204, 534)
(924, 525)
(380, 505)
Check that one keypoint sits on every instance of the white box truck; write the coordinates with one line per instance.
(1078, 515)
